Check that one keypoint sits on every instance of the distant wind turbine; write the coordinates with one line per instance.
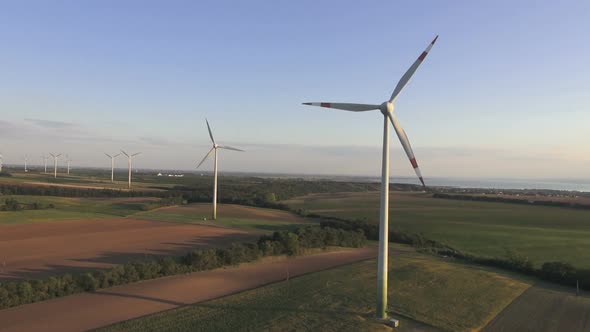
(214, 150)
(1, 161)
(45, 161)
(113, 166)
(26, 159)
(55, 157)
(386, 109)
(68, 160)
(129, 158)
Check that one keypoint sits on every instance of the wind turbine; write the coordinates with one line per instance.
(1, 162)
(113, 167)
(386, 109)
(129, 157)
(68, 160)
(214, 150)
(26, 159)
(45, 161)
(55, 157)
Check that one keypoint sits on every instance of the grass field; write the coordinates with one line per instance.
(67, 208)
(232, 216)
(484, 228)
(440, 293)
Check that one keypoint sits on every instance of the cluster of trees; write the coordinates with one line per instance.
(280, 243)
(501, 199)
(11, 204)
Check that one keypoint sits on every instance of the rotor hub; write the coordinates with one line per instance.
(386, 108)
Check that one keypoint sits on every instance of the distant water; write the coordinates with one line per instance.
(489, 183)
(551, 184)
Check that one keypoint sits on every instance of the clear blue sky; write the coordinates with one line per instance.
(504, 92)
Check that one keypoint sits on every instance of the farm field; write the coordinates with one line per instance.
(89, 234)
(427, 293)
(71, 208)
(544, 308)
(36, 250)
(228, 215)
(139, 299)
(484, 228)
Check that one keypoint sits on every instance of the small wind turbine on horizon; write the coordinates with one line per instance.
(386, 109)
(113, 167)
(68, 160)
(1, 161)
(214, 150)
(45, 162)
(129, 158)
(26, 159)
(55, 157)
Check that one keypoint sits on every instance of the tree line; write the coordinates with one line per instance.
(279, 243)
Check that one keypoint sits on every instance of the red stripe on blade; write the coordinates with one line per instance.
(414, 163)
(422, 56)
(325, 105)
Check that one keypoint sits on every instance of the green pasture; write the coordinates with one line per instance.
(483, 228)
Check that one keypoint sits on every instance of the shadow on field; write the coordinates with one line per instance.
(107, 259)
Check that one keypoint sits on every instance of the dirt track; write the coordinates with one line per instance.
(36, 250)
(92, 310)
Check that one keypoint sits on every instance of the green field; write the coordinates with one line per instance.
(232, 216)
(423, 288)
(484, 228)
(67, 208)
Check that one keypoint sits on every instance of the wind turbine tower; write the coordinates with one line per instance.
(26, 159)
(113, 167)
(55, 157)
(45, 162)
(214, 150)
(68, 160)
(1, 161)
(386, 108)
(129, 158)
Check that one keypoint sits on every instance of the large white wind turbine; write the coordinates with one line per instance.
(129, 157)
(387, 109)
(55, 157)
(214, 151)
(113, 166)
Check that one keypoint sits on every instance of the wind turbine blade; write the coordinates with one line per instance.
(115, 156)
(406, 78)
(59, 155)
(125, 153)
(108, 155)
(403, 138)
(346, 107)
(206, 156)
(135, 154)
(210, 133)
(230, 148)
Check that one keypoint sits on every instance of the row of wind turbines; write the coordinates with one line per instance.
(56, 157)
